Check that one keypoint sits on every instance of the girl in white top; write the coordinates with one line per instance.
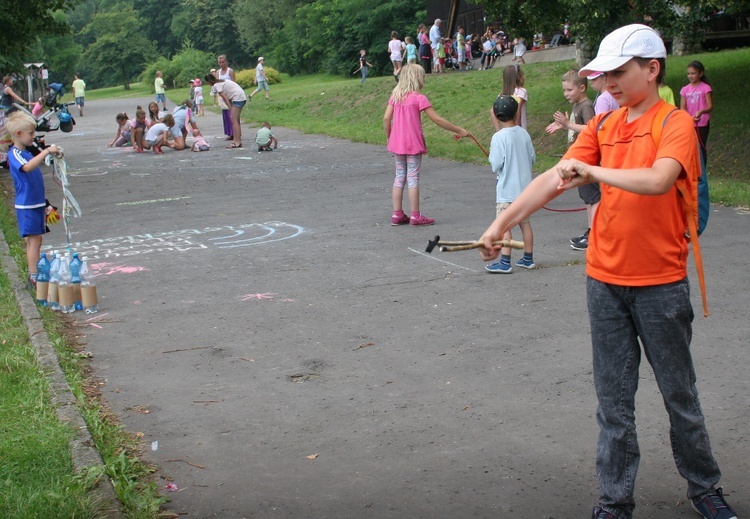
(396, 48)
(234, 97)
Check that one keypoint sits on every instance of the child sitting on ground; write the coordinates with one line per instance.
(266, 140)
(122, 136)
(200, 144)
(138, 128)
(158, 135)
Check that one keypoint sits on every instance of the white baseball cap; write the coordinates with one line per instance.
(622, 45)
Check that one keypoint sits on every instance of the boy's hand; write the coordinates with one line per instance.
(490, 251)
(562, 118)
(462, 133)
(553, 127)
(573, 173)
(53, 149)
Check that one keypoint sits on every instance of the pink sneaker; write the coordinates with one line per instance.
(421, 219)
(399, 219)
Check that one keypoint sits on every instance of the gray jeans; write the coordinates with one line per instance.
(661, 316)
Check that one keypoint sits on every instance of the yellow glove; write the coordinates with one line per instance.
(52, 216)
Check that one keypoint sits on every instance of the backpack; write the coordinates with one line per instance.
(695, 204)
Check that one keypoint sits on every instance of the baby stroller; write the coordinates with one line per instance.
(451, 56)
(52, 102)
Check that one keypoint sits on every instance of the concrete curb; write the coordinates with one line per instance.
(82, 448)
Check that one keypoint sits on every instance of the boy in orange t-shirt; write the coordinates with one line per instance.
(637, 285)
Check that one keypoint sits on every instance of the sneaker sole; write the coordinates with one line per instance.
(509, 271)
(578, 247)
(421, 224)
(527, 267)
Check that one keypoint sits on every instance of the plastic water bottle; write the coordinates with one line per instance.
(42, 280)
(53, 298)
(65, 287)
(75, 279)
(88, 289)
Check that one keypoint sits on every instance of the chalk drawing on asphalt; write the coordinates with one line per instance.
(221, 237)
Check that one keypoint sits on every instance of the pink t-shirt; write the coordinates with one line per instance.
(406, 129)
(695, 100)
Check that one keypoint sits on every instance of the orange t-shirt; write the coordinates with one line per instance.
(638, 240)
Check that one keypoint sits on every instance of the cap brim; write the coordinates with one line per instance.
(603, 64)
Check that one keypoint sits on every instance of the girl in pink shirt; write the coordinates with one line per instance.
(403, 129)
(697, 100)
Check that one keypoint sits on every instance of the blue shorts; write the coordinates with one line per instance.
(161, 98)
(31, 221)
(79, 101)
(239, 104)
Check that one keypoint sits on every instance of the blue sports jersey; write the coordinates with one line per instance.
(29, 185)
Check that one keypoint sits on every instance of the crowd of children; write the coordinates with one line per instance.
(458, 52)
(156, 129)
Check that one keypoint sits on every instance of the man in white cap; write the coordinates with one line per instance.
(436, 40)
(260, 78)
(637, 287)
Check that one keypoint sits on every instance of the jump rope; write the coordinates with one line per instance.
(544, 206)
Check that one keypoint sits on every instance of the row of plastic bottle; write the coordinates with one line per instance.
(66, 284)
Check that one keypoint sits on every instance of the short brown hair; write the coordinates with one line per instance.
(662, 67)
(572, 76)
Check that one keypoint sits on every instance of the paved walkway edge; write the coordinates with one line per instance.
(82, 447)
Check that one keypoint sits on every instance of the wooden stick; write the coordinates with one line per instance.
(513, 244)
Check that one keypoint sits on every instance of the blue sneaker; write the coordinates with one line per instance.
(499, 267)
(601, 513)
(713, 506)
(524, 263)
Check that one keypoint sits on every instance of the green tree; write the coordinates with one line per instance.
(341, 28)
(120, 48)
(218, 29)
(257, 21)
(61, 54)
(24, 22)
(156, 20)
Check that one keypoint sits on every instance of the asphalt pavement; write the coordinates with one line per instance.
(287, 353)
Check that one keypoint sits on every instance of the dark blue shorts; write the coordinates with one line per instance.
(31, 221)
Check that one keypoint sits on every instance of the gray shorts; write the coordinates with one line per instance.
(590, 193)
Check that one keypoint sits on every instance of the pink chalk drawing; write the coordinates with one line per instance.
(92, 321)
(107, 269)
(264, 295)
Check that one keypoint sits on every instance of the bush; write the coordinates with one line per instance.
(177, 72)
(246, 77)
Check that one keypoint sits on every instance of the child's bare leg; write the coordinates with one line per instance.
(398, 199)
(33, 251)
(414, 199)
(591, 212)
(505, 251)
(528, 237)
